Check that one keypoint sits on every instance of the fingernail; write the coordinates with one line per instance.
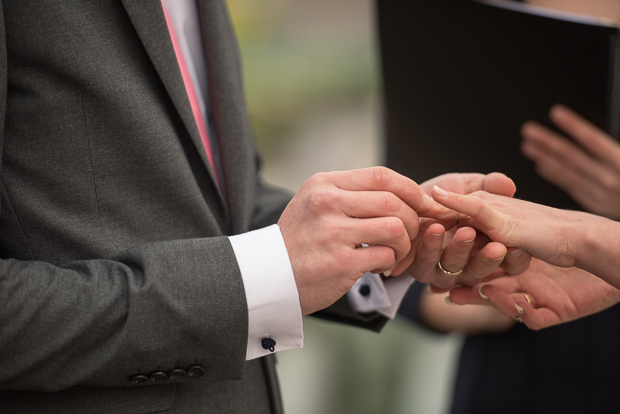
(437, 235)
(470, 240)
(440, 192)
(427, 201)
(448, 301)
(519, 309)
(482, 295)
(517, 253)
(428, 290)
(387, 273)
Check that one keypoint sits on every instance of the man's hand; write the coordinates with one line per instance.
(335, 214)
(554, 295)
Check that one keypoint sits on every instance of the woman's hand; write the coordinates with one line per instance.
(543, 296)
(547, 233)
(460, 250)
(437, 314)
(560, 237)
(587, 168)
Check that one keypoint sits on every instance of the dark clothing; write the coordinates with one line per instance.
(570, 368)
(115, 268)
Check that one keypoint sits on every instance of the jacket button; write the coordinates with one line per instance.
(138, 379)
(195, 371)
(158, 376)
(176, 374)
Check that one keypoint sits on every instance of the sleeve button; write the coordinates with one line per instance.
(195, 371)
(176, 374)
(138, 379)
(158, 376)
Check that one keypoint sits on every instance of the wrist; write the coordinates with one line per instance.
(585, 234)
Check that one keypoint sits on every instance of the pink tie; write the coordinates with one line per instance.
(191, 94)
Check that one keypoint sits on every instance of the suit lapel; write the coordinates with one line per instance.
(230, 118)
(149, 22)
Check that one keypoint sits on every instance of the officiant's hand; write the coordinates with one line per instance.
(586, 167)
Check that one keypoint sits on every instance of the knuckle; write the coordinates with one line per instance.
(319, 201)
(345, 255)
(380, 176)
(319, 177)
(393, 227)
(389, 202)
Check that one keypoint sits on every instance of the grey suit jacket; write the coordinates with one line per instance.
(115, 263)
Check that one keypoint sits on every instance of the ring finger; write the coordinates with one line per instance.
(455, 256)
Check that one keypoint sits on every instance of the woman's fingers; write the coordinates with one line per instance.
(485, 217)
(516, 261)
(427, 255)
(456, 254)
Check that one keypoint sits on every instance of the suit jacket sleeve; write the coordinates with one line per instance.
(89, 296)
(113, 254)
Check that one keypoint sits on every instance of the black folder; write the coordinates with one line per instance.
(460, 77)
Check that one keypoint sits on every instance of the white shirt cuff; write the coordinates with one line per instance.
(274, 310)
(372, 294)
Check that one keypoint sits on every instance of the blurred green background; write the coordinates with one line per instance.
(312, 81)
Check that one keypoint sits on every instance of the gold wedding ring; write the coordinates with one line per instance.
(449, 273)
(527, 297)
(517, 319)
(456, 218)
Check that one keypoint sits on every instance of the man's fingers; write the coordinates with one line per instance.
(372, 204)
(424, 224)
(374, 259)
(384, 231)
(383, 179)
